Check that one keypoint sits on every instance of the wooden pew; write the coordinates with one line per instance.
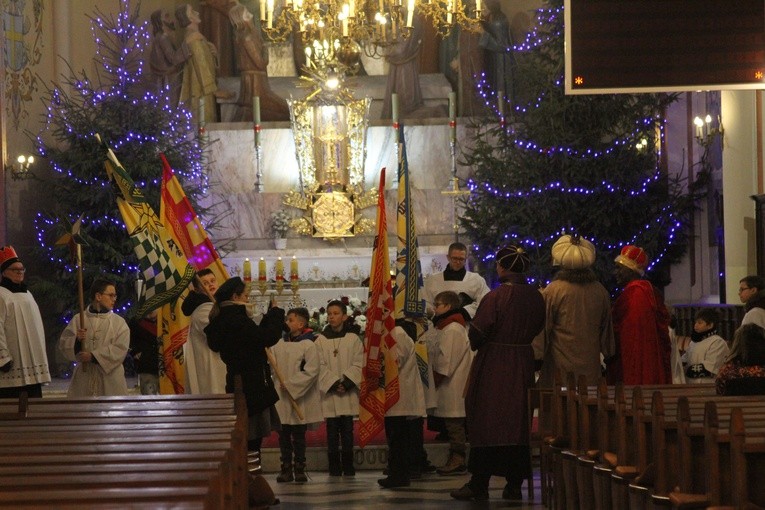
(705, 434)
(747, 459)
(187, 449)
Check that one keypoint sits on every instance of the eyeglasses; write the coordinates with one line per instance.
(742, 289)
(17, 270)
(110, 294)
(458, 259)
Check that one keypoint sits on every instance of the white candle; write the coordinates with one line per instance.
(452, 105)
(270, 17)
(345, 27)
(449, 9)
(394, 107)
(262, 10)
(477, 8)
(352, 8)
(501, 102)
(409, 13)
(256, 109)
(201, 109)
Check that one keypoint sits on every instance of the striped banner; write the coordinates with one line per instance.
(379, 377)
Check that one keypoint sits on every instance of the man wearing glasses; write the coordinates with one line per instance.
(751, 291)
(471, 287)
(23, 361)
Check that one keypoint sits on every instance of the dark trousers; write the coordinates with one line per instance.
(339, 431)
(32, 390)
(511, 461)
(292, 441)
(419, 457)
(402, 451)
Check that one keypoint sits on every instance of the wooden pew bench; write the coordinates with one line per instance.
(184, 451)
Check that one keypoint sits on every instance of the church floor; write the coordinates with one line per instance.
(362, 492)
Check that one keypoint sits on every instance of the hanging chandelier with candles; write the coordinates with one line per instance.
(330, 28)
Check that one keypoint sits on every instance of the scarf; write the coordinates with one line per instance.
(13, 287)
(451, 275)
(453, 315)
(698, 337)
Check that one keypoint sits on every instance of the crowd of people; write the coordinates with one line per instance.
(485, 349)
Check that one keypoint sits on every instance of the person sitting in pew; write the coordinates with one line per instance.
(707, 351)
(744, 372)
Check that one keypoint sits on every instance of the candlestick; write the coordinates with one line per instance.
(279, 269)
(262, 269)
(294, 267)
(247, 270)
(394, 108)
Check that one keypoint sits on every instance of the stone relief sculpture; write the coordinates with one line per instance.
(252, 61)
(165, 58)
(198, 79)
(404, 73)
(496, 40)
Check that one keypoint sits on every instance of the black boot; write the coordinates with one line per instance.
(300, 475)
(286, 474)
(335, 467)
(348, 469)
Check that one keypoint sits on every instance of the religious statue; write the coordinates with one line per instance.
(198, 81)
(404, 73)
(165, 59)
(497, 42)
(217, 29)
(252, 60)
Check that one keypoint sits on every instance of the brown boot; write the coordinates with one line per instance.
(454, 466)
(300, 475)
(286, 474)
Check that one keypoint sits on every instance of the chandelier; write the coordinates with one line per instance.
(329, 29)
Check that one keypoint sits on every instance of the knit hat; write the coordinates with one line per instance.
(230, 287)
(7, 257)
(633, 257)
(513, 259)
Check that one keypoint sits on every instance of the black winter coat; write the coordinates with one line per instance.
(241, 344)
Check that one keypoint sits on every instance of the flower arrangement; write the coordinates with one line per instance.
(280, 223)
(357, 310)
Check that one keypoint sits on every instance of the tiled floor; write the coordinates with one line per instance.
(363, 492)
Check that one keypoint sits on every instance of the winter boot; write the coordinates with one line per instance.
(335, 467)
(286, 474)
(348, 469)
(454, 466)
(253, 463)
(300, 475)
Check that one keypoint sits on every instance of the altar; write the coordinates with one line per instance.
(322, 274)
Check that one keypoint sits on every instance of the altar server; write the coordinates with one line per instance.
(100, 347)
(298, 361)
(341, 354)
(23, 361)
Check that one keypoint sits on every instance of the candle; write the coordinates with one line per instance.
(452, 105)
(294, 267)
(201, 110)
(270, 11)
(501, 102)
(449, 9)
(352, 8)
(247, 270)
(256, 109)
(477, 8)
(262, 269)
(394, 107)
(279, 269)
(345, 27)
(262, 10)
(410, 13)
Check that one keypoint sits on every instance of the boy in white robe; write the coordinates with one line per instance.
(205, 371)
(707, 351)
(99, 348)
(451, 358)
(298, 362)
(341, 354)
(23, 360)
(403, 448)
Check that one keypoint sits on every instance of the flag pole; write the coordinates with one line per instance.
(74, 241)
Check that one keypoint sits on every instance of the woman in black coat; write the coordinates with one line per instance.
(241, 344)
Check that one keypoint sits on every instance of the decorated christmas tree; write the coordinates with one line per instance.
(138, 125)
(564, 164)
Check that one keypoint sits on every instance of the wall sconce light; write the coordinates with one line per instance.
(705, 131)
(20, 168)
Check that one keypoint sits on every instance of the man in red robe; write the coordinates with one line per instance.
(641, 325)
